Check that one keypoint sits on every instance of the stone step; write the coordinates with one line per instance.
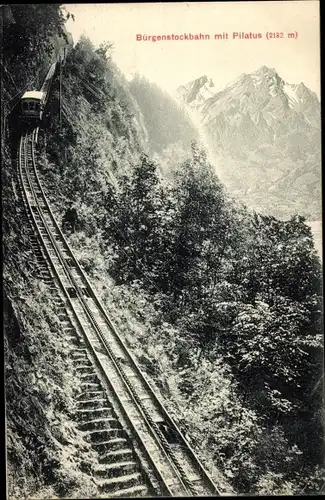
(80, 359)
(93, 414)
(58, 302)
(71, 331)
(100, 435)
(98, 423)
(115, 483)
(135, 491)
(79, 352)
(84, 368)
(110, 445)
(91, 395)
(44, 274)
(114, 469)
(66, 323)
(110, 457)
(85, 385)
(92, 404)
(61, 309)
(87, 377)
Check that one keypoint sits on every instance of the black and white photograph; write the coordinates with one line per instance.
(162, 249)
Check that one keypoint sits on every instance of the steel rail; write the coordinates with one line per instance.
(155, 398)
(160, 437)
(161, 407)
(164, 487)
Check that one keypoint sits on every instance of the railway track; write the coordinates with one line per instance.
(141, 450)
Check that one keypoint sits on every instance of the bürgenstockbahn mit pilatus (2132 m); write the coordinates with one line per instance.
(235, 35)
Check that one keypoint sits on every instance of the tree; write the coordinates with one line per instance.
(138, 225)
(202, 228)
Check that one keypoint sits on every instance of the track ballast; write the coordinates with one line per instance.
(143, 452)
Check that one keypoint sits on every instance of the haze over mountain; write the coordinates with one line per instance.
(264, 134)
(221, 308)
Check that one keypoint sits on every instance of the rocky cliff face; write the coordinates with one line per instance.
(265, 136)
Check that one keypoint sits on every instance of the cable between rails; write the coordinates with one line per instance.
(23, 146)
(153, 425)
(179, 468)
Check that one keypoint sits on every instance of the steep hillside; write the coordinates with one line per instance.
(44, 447)
(220, 306)
(30, 36)
(196, 284)
(170, 129)
(265, 137)
(166, 122)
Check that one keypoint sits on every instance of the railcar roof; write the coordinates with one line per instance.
(33, 94)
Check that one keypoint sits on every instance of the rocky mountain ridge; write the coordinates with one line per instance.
(264, 134)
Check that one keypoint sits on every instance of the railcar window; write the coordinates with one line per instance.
(28, 105)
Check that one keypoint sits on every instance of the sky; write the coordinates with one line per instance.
(171, 63)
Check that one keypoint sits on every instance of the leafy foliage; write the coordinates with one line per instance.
(31, 37)
(238, 284)
(231, 300)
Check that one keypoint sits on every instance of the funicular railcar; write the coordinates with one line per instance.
(32, 105)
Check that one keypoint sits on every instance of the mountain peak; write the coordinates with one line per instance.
(266, 69)
(261, 126)
(202, 80)
(200, 89)
(263, 86)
